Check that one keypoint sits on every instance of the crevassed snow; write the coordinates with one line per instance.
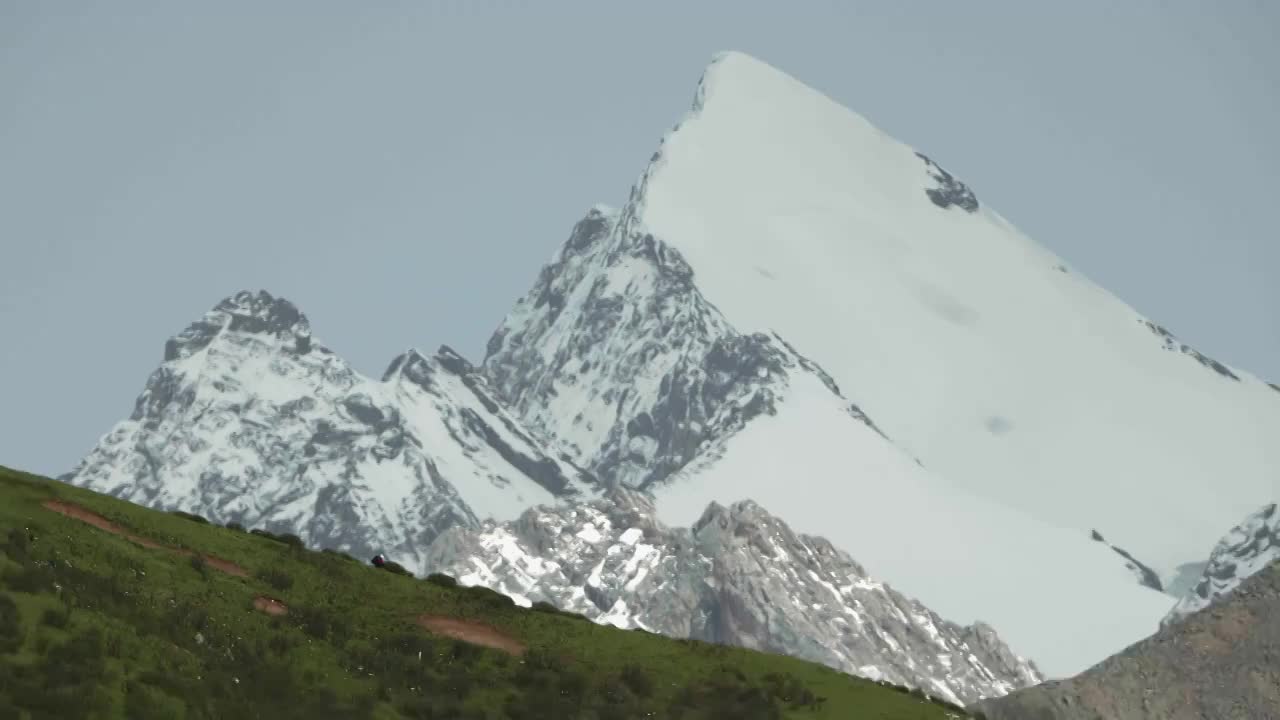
(1053, 594)
(1018, 382)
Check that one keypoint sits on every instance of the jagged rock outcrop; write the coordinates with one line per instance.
(738, 576)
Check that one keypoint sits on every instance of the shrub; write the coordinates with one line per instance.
(442, 580)
(56, 618)
(10, 625)
(235, 526)
(190, 516)
(637, 680)
(34, 579)
(339, 554)
(17, 543)
(276, 578)
(284, 538)
(489, 596)
(546, 607)
(395, 567)
(200, 565)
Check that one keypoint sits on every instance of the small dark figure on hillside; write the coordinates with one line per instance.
(378, 560)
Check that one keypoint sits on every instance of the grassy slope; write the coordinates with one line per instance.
(105, 628)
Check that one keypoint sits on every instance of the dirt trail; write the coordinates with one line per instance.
(270, 605)
(96, 520)
(471, 632)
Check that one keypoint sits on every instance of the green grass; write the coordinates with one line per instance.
(93, 625)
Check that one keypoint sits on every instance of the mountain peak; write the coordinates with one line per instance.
(262, 305)
(252, 312)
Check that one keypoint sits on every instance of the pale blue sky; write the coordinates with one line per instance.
(401, 170)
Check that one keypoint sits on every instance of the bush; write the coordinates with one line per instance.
(17, 543)
(546, 607)
(200, 565)
(637, 680)
(235, 526)
(489, 596)
(395, 567)
(339, 554)
(283, 538)
(446, 581)
(276, 578)
(190, 516)
(34, 579)
(55, 618)
(10, 625)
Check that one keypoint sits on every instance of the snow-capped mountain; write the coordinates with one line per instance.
(249, 419)
(738, 576)
(1007, 405)
(974, 348)
(1247, 549)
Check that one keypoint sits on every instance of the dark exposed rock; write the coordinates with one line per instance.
(1145, 574)
(950, 191)
(1173, 344)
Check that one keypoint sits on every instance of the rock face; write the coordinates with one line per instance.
(738, 576)
(1222, 662)
(249, 419)
(1144, 575)
(616, 356)
(1247, 549)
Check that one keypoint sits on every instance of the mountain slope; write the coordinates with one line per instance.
(1027, 393)
(616, 354)
(625, 358)
(93, 625)
(739, 576)
(1249, 548)
(249, 419)
(958, 334)
(1220, 663)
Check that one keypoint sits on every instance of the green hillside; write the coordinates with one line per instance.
(163, 617)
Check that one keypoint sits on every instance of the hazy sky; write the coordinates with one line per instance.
(401, 170)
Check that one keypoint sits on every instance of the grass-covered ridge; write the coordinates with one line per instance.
(169, 617)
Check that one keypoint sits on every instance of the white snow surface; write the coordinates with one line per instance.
(1054, 595)
(968, 343)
